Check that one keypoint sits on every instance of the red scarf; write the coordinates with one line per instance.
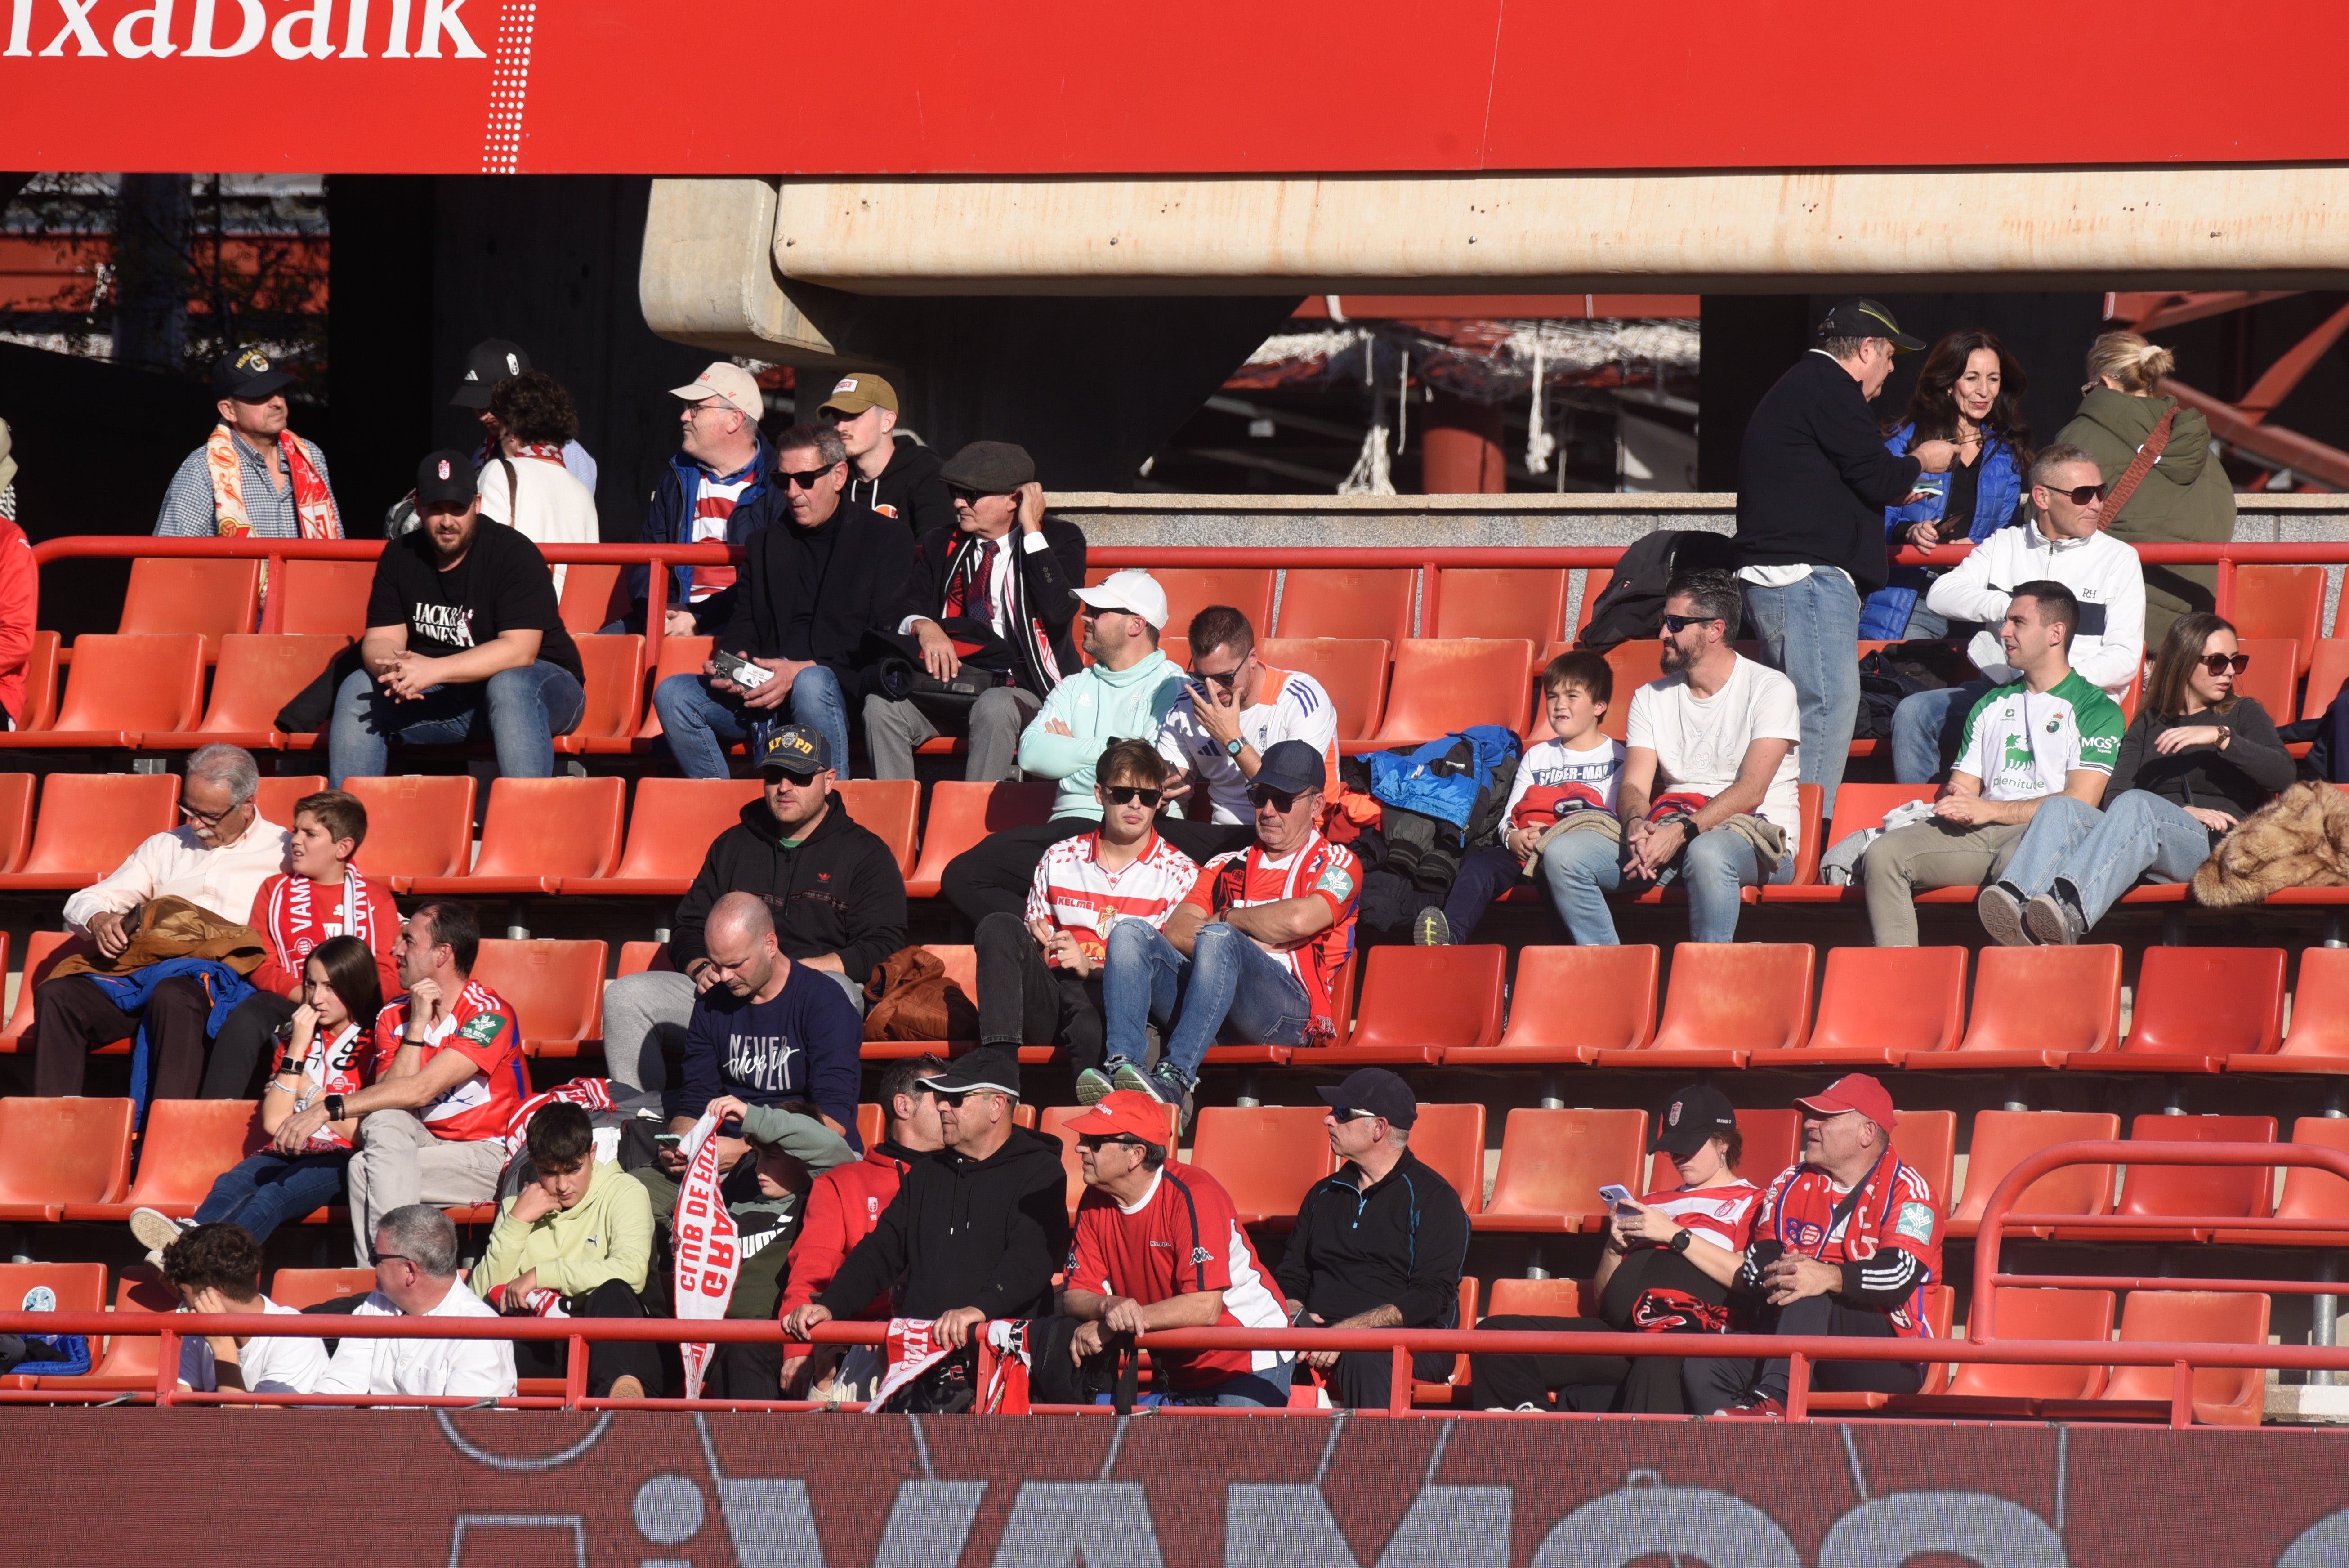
(313, 502)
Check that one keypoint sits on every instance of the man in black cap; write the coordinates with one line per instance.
(989, 603)
(488, 362)
(896, 478)
(1669, 1262)
(1250, 954)
(975, 1232)
(1813, 481)
(1379, 1245)
(253, 477)
(463, 642)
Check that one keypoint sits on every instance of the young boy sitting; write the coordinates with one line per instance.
(322, 896)
(793, 1148)
(1575, 771)
(217, 1269)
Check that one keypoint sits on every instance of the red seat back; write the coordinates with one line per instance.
(1928, 1141)
(60, 1151)
(1343, 602)
(556, 988)
(326, 597)
(2217, 1001)
(1266, 1157)
(135, 1355)
(1450, 1141)
(2279, 602)
(299, 1288)
(2312, 1194)
(1635, 664)
(2274, 674)
(2028, 1312)
(1528, 602)
(1906, 999)
(1594, 587)
(888, 807)
(2326, 672)
(187, 1145)
(549, 828)
(211, 598)
(78, 1287)
(40, 710)
(679, 655)
(42, 951)
(2045, 998)
(614, 667)
(1190, 589)
(636, 958)
(1569, 999)
(1352, 671)
(279, 794)
(2002, 1139)
(1534, 1298)
(142, 684)
(16, 819)
(1554, 1162)
(1772, 1140)
(594, 596)
(2230, 1395)
(962, 813)
(418, 825)
(1738, 996)
(2226, 1191)
(89, 823)
(1442, 996)
(676, 821)
(1860, 806)
(259, 675)
(1441, 685)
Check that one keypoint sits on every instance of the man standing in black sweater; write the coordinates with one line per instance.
(1812, 481)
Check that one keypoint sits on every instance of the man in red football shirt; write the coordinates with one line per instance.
(1160, 1245)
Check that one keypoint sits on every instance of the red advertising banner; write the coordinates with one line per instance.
(519, 1489)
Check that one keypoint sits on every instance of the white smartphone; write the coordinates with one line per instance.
(740, 671)
(1617, 1198)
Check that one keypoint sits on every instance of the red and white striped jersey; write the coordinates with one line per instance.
(1315, 868)
(486, 1030)
(1287, 707)
(714, 501)
(1723, 1214)
(1078, 894)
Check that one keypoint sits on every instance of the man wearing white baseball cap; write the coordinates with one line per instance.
(722, 465)
(1123, 695)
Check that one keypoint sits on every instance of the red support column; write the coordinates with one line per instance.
(1460, 448)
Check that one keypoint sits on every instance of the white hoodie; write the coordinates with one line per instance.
(2103, 574)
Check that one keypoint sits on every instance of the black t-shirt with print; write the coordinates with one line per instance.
(502, 585)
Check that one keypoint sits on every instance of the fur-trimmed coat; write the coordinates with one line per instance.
(2300, 839)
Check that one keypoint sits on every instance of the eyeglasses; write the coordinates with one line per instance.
(1676, 624)
(1126, 795)
(2221, 663)
(962, 497)
(380, 1259)
(1341, 1115)
(802, 479)
(2080, 496)
(1279, 799)
(1228, 680)
(209, 818)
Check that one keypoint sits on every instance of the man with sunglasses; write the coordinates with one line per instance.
(2063, 543)
(990, 599)
(816, 583)
(1251, 954)
(1040, 978)
(1239, 709)
(708, 494)
(217, 858)
(414, 1251)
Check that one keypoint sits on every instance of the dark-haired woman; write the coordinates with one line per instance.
(2197, 760)
(331, 1051)
(524, 483)
(1970, 393)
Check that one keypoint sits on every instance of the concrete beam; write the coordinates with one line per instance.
(708, 277)
(1719, 232)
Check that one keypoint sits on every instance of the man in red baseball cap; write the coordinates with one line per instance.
(1160, 1245)
(1844, 1243)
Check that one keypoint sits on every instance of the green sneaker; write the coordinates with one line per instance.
(1092, 1085)
(1429, 928)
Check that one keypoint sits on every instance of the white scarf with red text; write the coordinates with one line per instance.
(707, 1255)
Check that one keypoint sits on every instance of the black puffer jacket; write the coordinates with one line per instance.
(985, 1233)
(839, 892)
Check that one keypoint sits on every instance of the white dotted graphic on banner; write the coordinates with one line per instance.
(509, 82)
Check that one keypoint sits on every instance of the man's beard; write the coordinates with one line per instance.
(1671, 659)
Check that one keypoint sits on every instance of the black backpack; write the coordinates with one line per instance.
(1634, 597)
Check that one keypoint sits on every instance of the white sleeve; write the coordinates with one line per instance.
(1964, 592)
(124, 889)
(497, 501)
(1640, 729)
(1775, 714)
(480, 1369)
(1175, 734)
(351, 1370)
(1318, 728)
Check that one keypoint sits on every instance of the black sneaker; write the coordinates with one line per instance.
(1429, 928)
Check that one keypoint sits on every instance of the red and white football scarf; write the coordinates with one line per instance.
(595, 1094)
(708, 1258)
(911, 1353)
(1004, 1390)
(314, 504)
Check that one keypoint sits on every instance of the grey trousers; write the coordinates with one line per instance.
(644, 1011)
(401, 1161)
(1926, 855)
(891, 730)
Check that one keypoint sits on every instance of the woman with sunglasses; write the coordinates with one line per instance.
(2197, 760)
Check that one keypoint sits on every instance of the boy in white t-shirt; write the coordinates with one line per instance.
(1577, 769)
(217, 1269)
(1708, 792)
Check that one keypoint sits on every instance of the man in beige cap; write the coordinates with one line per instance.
(722, 465)
(900, 479)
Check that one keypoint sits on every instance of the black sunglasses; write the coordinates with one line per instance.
(969, 497)
(1279, 799)
(1341, 1115)
(379, 1259)
(2080, 496)
(1676, 624)
(805, 479)
(797, 780)
(1095, 1140)
(1226, 681)
(1126, 795)
(2220, 663)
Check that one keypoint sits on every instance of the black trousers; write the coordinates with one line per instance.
(1023, 1001)
(1648, 1385)
(992, 876)
(73, 1016)
(245, 1047)
(1364, 1379)
(744, 1372)
(608, 1360)
(1716, 1383)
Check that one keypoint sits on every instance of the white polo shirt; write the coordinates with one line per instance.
(475, 1368)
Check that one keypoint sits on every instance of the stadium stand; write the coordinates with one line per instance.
(211, 598)
(419, 826)
(60, 1151)
(1340, 602)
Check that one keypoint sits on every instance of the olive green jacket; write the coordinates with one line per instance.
(2186, 497)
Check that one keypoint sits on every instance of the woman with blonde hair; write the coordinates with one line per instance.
(2185, 498)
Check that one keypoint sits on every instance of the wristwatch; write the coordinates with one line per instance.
(333, 1108)
(1234, 747)
(1681, 1239)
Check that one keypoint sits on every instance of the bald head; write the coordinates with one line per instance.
(741, 936)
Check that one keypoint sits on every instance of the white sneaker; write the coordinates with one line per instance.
(154, 1230)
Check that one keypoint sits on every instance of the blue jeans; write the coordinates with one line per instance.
(1581, 869)
(1483, 877)
(268, 1190)
(1927, 728)
(701, 723)
(1810, 631)
(520, 711)
(1228, 989)
(1266, 1390)
(2096, 855)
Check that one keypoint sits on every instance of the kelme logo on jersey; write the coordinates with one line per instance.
(1915, 1221)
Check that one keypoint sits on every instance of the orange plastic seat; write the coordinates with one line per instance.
(1266, 1157)
(1352, 671)
(1053, 1124)
(326, 597)
(213, 598)
(1190, 589)
(556, 988)
(593, 596)
(129, 1359)
(185, 1146)
(2152, 1194)
(42, 951)
(961, 813)
(257, 677)
(1553, 1164)
(2222, 1396)
(1594, 587)
(1571, 1003)
(2279, 603)
(2002, 1139)
(2326, 674)
(2274, 674)
(1882, 1005)
(1445, 1390)
(1635, 664)
(2196, 1007)
(119, 688)
(1859, 807)
(277, 796)
(1533, 1298)
(54, 1152)
(538, 834)
(77, 1287)
(1725, 1001)
(636, 958)
(16, 819)
(2318, 1199)
(889, 807)
(2030, 1313)
(40, 708)
(418, 825)
(1344, 602)
(671, 830)
(299, 1288)
(89, 824)
(679, 655)
(615, 689)
(2318, 1041)
(1526, 602)
(870, 1123)
(1419, 1002)
(2037, 1007)
(1443, 685)
(1928, 1141)
(1450, 1140)
(1773, 1140)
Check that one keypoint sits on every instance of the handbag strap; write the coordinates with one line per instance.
(2141, 465)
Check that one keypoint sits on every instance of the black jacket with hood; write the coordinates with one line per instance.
(851, 590)
(839, 892)
(912, 489)
(985, 1233)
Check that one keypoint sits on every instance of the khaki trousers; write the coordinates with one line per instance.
(1926, 855)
